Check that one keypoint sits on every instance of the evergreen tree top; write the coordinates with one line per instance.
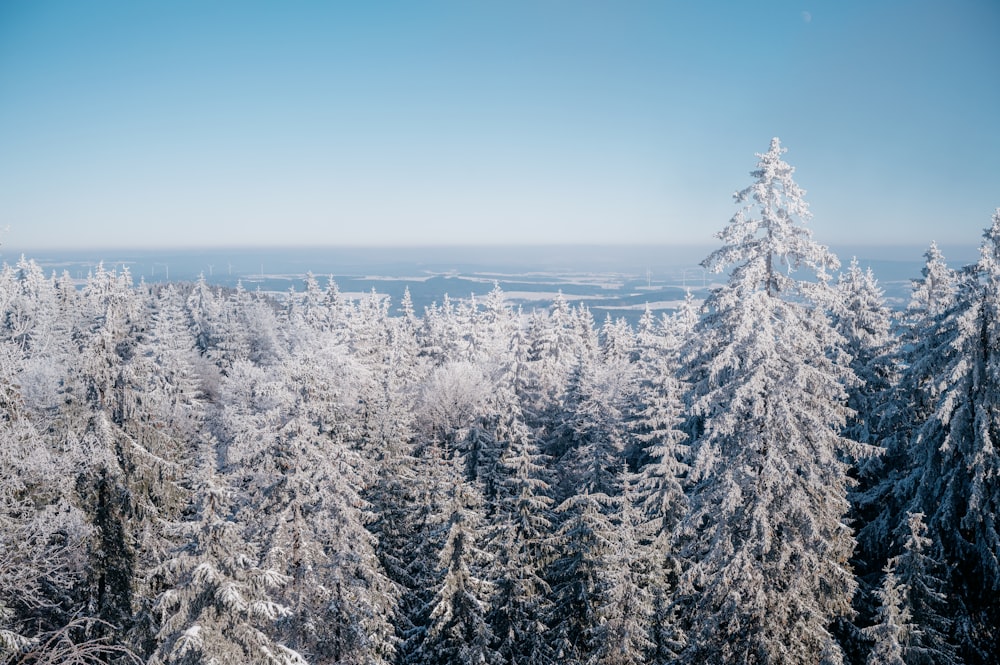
(769, 231)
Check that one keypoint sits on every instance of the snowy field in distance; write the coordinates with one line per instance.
(619, 280)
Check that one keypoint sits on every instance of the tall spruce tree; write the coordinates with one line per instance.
(660, 453)
(862, 317)
(888, 482)
(765, 536)
(955, 473)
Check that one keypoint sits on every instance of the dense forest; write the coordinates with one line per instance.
(787, 472)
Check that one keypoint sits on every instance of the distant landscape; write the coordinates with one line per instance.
(619, 280)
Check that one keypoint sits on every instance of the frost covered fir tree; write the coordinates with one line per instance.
(618, 343)
(595, 594)
(205, 311)
(917, 390)
(955, 465)
(385, 436)
(417, 541)
(458, 631)
(922, 348)
(501, 426)
(43, 541)
(912, 625)
(893, 624)
(888, 482)
(589, 441)
(935, 291)
(126, 479)
(765, 538)
(863, 318)
(303, 507)
(554, 349)
(579, 575)
(495, 328)
(624, 632)
(171, 346)
(517, 543)
(444, 334)
(655, 419)
(219, 604)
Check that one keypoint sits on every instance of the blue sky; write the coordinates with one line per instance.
(146, 124)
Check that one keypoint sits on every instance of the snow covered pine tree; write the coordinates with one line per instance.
(955, 465)
(765, 540)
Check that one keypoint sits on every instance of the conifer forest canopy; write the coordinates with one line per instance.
(786, 472)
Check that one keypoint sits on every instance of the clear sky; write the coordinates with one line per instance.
(219, 122)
